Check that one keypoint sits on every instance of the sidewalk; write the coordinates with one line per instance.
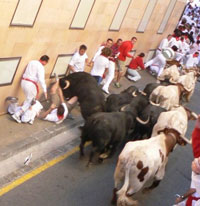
(16, 140)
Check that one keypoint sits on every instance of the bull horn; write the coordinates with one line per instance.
(143, 93)
(123, 108)
(141, 121)
(134, 94)
(154, 103)
(172, 81)
(67, 84)
(189, 141)
(193, 114)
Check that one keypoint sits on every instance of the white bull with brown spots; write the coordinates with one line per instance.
(145, 160)
(140, 162)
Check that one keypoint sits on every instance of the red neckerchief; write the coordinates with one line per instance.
(60, 116)
(189, 200)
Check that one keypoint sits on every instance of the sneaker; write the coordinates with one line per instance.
(105, 91)
(117, 84)
(16, 118)
(30, 122)
(129, 77)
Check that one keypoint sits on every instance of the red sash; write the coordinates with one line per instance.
(35, 83)
(189, 200)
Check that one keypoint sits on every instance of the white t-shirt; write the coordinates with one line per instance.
(35, 71)
(174, 42)
(98, 52)
(78, 61)
(100, 64)
(191, 61)
(53, 115)
(163, 44)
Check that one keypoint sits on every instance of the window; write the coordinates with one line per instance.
(147, 14)
(26, 13)
(119, 15)
(8, 68)
(61, 65)
(166, 17)
(150, 55)
(82, 13)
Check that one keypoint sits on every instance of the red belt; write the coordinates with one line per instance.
(189, 200)
(35, 83)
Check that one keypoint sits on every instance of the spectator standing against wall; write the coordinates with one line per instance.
(124, 50)
(111, 69)
(34, 74)
(108, 44)
(101, 63)
(135, 64)
(78, 60)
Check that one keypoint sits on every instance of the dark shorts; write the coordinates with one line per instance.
(98, 78)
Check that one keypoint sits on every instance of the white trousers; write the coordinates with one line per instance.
(133, 75)
(110, 76)
(30, 92)
(157, 69)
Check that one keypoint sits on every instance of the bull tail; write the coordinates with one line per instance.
(124, 198)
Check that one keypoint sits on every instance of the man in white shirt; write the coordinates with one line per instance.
(33, 75)
(58, 112)
(101, 63)
(29, 115)
(108, 44)
(192, 60)
(158, 63)
(164, 44)
(78, 60)
(194, 47)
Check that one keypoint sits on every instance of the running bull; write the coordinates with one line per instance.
(84, 86)
(115, 101)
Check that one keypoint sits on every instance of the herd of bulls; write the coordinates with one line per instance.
(155, 112)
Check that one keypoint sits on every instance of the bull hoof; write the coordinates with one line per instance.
(103, 156)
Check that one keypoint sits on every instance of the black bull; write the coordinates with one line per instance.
(84, 86)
